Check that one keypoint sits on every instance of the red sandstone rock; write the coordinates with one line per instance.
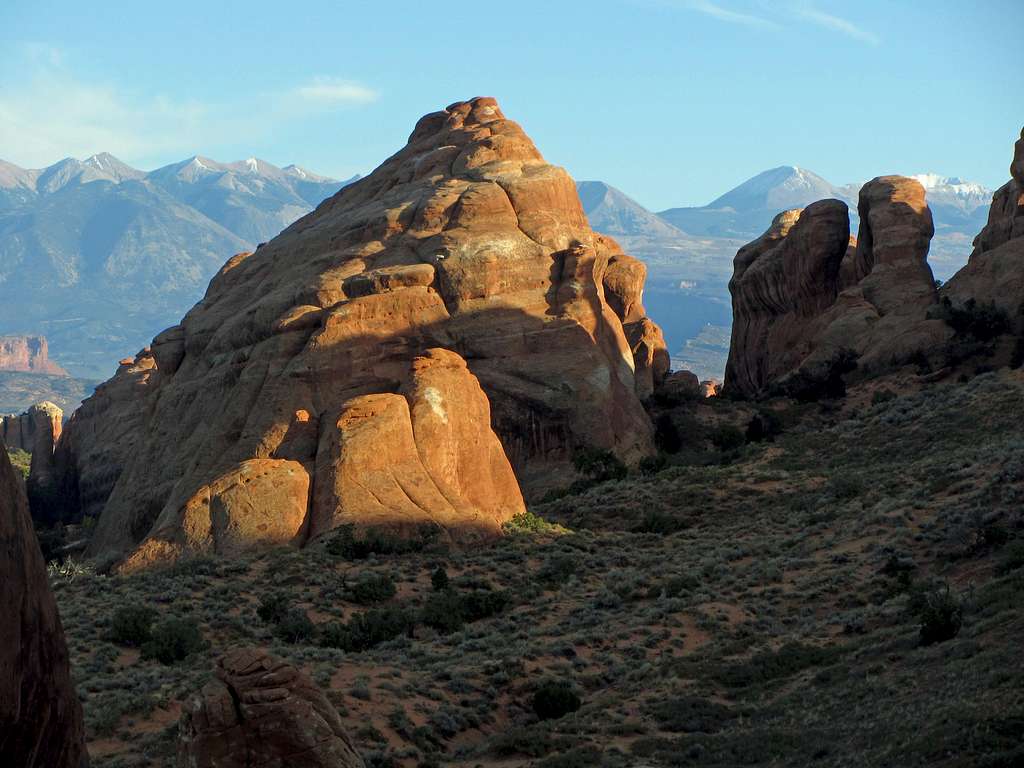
(40, 717)
(465, 240)
(27, 354)
(995, 272)
(262, 712)
(804, 291)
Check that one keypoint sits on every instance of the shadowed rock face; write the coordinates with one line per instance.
(40, 717)
(995, 271)
(466, 240)
(262, 712)
(804, 292)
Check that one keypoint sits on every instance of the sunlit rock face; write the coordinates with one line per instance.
(466, 260)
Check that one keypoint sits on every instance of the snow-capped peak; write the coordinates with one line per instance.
(953, 184)
(253, 164)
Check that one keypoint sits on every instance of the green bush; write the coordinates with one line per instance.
(528, 522)
(984, 322)
(691, 714)
(132, 625)
(371, 588)
(555, 699)
(21, 460)
(295, 627)
(173, 640)
(652, 465)
(599, 465)
(557, 569)
(820, 381)
(882, 396)
(656, 521)
(480, 604)
(939, 611)
(728, 438)
(443, 611)
(769, 666)
(273, 607)
(344, 543)
(1012, 559)
(439, 579)
(365, 630)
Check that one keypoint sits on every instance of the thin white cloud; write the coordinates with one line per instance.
(724, 14)
(48, 113)
(837, 24)
(325, 90)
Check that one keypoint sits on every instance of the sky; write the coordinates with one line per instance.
(672, 101)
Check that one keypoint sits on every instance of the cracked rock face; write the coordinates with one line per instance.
(40, 717)
(465, 242)
(262, 712)
(805, 292)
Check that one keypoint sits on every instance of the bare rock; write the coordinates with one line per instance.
(806, 295)
(27, 354)
(262, 712)
(465, 240)
(995, 272)
(40, 716)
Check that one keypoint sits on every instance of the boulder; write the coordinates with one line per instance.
(679, 386)
(465, 240)
(809, 300)
(40, 716)
(262, 712)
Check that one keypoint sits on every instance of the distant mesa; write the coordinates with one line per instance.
(27, 354)
(429, 345)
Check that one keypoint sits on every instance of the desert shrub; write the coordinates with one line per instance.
(439, 579)
(579, 757)
(273, 606)
(939, 612)
(132, 625)
(765, 425)
(1013, 557)
(371, 588)
(882, 396)
(652, 465)
(557, 569)
(555, 699)
(443, 612)
(691, 714)
(599, 465)
(666, 434)
(481, 604)
(529, 523)
(344, 543)
(846, 487)
(294, 626)
(769, 666)
(173, 640)
(365, 630)
(727, 438)
(674, 586)
(21, 460)
(820, 381)
(531, 741)
(656, 521)
(981, 321)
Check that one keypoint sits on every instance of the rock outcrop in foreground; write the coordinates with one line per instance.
(995, 271)
(27, 354)
(262, 712)
(352, 370)
(40, 716)
(806, 294)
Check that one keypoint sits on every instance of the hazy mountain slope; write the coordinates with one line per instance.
(100, 256)
(614, 213)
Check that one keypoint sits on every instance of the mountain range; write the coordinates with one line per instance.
(99, 256)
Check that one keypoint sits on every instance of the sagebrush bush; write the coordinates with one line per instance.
(939, 611)
(273, 606)
(555, 699)
(365, 630)
(132, 625)
(371, 588)
(599, 465)
(173, 640)
(294, 626)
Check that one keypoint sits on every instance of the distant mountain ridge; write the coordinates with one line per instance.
(99, 256)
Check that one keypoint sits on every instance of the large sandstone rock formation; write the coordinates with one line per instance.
(262, 712)
(805, 293)
(306, 353)
(37, 431)
(40, 716)
(995, 271)
(27, 354)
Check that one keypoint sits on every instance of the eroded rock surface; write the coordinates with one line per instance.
(27, 354)
(262, 712)
(40, 716)
(466, 240)
(805, 294)
(995, 271)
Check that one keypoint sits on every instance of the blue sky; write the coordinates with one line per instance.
(673, 101)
